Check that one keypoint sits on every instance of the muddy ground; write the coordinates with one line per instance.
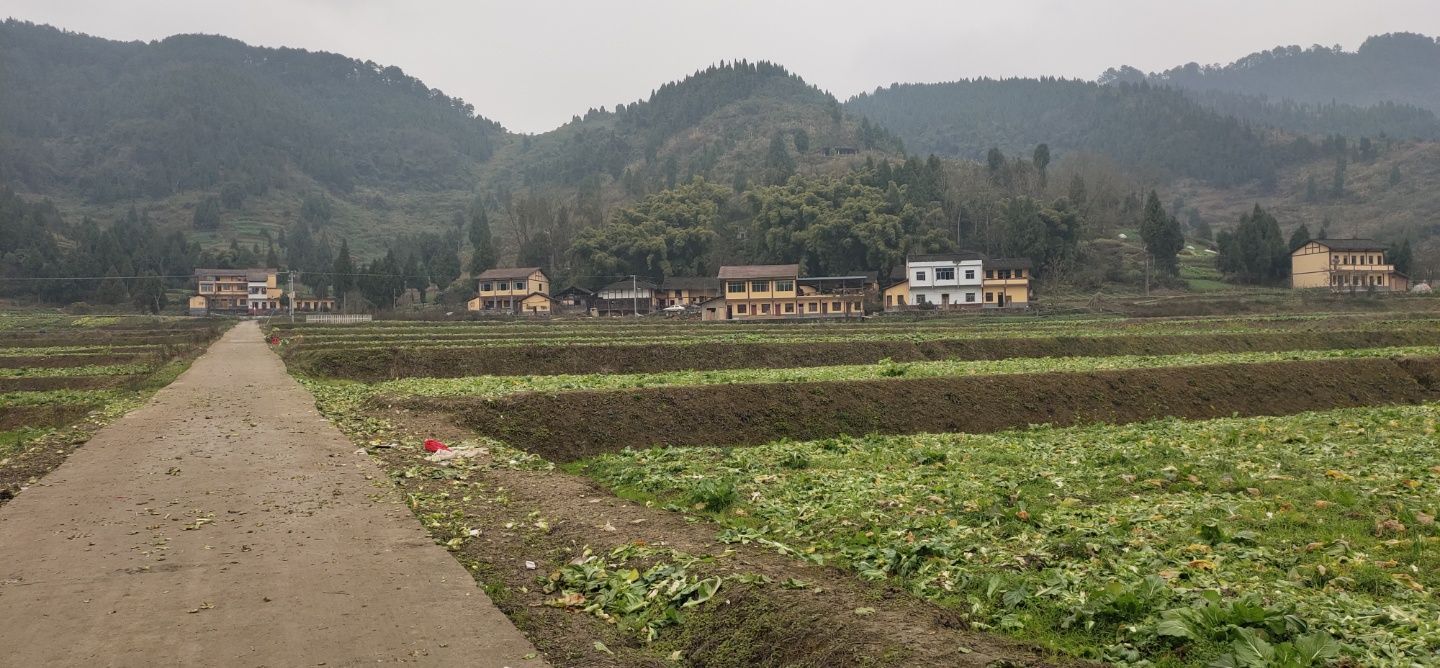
(568, 426)
(398, 362)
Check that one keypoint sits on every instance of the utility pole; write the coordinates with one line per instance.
(635, 295)
(290, 295)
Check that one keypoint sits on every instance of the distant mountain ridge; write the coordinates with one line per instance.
(1401, 68)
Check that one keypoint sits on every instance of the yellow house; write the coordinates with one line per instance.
(237, 290)
(773, 291)
(1343, 265)
(1007, 282)
(897, 295)
(512, 290)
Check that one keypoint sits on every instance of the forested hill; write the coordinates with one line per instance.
(722, 123)
(114, 121)
(1401, 68)
(1154, 129)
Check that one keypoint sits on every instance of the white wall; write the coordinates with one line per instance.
(933, 290)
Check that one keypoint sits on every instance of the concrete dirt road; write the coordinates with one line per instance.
(225, 523)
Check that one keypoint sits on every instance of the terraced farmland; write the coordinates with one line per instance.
(63, 377)
(1186, 491)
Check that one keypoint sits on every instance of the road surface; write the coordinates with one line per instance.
(226, 523)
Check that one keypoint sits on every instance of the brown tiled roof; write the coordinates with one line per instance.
(502, 273)
(626, 284)
(1351, 244)
(253, 274)
(746, 271)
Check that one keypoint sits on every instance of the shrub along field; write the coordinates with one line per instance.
(63, 377)
(1234, 491)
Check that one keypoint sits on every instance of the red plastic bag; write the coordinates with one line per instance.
(432, 445)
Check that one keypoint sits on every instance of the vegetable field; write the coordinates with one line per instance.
(63, 377)
(1228, 491)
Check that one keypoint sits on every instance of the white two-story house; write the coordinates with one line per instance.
(949, 280)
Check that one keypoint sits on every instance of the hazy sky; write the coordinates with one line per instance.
(532, 64)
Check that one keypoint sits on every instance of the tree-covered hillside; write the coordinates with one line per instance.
(114, 121)
(718, 124)
(1403, 68)
(1144, 127)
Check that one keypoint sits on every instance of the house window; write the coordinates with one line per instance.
(764, 308)
(835, 306)
(919, 299)
(969, 274)
(735, 286)
(519, 285)
(919, 275)
(484, 287)
(784, 286)
(789, 308)
(855, 306)
(759, 286)
(970, 297)
(740, 308)
(945, 274)
(989, 273)
(989, 296)
(814, 307)
(1019, 273)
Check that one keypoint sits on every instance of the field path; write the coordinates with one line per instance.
(226, 523)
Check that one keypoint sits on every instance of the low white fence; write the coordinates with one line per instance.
(339, 318)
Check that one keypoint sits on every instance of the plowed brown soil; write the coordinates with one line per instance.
(574, 425)
(399, 362)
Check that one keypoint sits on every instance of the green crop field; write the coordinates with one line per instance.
(1185, 542)
(1286, 539)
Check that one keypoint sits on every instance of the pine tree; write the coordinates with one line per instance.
(1041, 159)
(1402, 256)
(343, 272)
(1162, 235)
(481, 243)
(207, 214)
(1300, 237)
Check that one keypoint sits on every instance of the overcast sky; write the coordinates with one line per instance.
(531, 64)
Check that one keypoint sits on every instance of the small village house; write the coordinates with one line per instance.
(248, 291)
(574, 299)
(518, 290)
(1344, 265)
(775, 291)
(627, 297)
(896, 295)
(1007, 282)
(686, 291)
(947, 280)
